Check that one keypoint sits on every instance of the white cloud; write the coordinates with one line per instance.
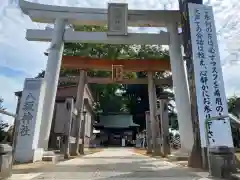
(19, 54)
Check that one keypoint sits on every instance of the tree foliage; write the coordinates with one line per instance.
(232, 103)
(3, 125)
(1, 104)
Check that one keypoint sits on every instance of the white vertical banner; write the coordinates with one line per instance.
(210, 92)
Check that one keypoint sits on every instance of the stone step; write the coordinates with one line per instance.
(52, 156)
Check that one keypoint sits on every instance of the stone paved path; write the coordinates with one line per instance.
(114, 164)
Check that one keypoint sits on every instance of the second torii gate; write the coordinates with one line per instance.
(118, 67)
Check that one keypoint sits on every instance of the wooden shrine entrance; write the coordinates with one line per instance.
(133, 65)
(118, 68)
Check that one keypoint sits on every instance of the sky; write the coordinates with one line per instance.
(20, 59)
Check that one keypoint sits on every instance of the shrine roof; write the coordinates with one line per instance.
(116, 121)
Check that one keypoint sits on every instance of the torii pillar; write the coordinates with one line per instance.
(79, 106)
(51, 79)
(180, 87)
(154, 121)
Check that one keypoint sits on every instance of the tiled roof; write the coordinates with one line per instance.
(116, 121)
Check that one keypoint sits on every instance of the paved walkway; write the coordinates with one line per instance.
(114, 164)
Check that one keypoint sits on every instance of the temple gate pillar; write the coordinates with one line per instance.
(51, 79)
(79, 107)
(181, 90)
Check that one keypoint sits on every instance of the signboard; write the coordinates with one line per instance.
(117, 19)
(29, 120)
(211, 98)
(117, 73)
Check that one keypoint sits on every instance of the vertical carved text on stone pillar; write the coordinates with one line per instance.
(26, 120)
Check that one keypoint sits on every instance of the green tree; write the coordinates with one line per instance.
(3, 125)
(232, 102)
(1, 104)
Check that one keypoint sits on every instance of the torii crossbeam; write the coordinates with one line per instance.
(132, 65)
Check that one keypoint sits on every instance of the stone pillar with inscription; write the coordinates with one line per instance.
(29, 122)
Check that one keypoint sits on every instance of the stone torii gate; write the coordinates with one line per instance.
(62, 16)
(208, 99)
